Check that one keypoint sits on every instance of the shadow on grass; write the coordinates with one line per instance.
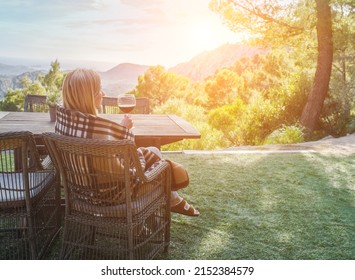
(266, 206)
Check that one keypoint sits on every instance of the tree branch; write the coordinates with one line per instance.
(253, 10)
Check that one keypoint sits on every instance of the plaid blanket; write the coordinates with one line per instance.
(77, 124)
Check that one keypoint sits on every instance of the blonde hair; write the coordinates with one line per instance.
(80, 87)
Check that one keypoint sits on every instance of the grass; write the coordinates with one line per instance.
(298, 206)
(267, 206)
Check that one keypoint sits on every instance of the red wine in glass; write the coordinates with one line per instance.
(126, 108)
(126, 102)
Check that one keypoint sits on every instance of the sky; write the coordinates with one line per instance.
(104, 33)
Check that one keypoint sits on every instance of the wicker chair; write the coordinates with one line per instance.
(109, 106)
(113, 210)
(29, 199)
(36, 103)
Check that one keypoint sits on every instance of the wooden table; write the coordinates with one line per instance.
(149, 129)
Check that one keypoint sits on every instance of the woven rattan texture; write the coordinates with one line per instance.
(29, 199)
(112, 209)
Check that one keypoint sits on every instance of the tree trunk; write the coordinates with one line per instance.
(313, 108)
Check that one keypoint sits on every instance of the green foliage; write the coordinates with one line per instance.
(292, 26)
(261, 117)
(277, 91)
(53, 80)
(336, 113)
(268, 22)
(14, 101)
(33, 88)
(15, 98)
(294, 95)
(286, 135)
(49, 85)
(54, 97)
(223, 88)
(227, 118)
(197, 96)
(159, 85)
(259, 94)
(242, 105)
(210, 138)
(350, 126)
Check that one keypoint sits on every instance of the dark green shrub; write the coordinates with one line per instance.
(286, 135)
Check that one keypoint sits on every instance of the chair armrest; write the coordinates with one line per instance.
(155, 170)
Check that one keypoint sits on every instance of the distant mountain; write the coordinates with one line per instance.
(14, 81)
(124, 71)
(207, 63)
(124, 77)
(13, 70)
(121, 78)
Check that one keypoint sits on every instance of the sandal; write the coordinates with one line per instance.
(185, 209)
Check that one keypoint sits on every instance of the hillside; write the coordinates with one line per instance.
(124, 77)
(208, 62)
(13, 70)
(121, 78)
(14, 81)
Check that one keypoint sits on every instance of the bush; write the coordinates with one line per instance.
(226, 119)
(211, 138)
(350, 126)
(262, 117)
(286, 135)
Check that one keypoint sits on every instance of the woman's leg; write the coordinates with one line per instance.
(177, 203)
(181, 206)
(175, 198)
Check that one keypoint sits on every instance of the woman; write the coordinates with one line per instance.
(82, 97)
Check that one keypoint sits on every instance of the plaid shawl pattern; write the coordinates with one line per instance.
(77, 124)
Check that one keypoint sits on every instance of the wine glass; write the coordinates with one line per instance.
(126, 102)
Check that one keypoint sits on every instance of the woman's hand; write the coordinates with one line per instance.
(127, 122)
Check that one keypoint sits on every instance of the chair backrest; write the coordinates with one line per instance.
(95, 171)
(18, 157)
(27, 221)
(18, 152)
(110, 106)
(35, 103)
(142, 106)
(112, 209)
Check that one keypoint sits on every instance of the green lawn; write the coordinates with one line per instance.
(267, 206)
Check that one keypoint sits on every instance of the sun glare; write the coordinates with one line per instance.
(209, 35)
(203, 36)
